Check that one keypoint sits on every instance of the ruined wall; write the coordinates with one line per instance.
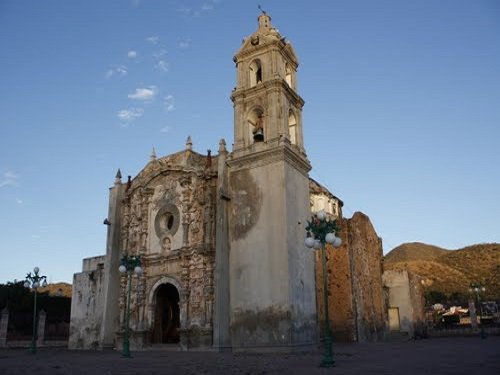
(366, 264)
(87, 305)
(418, 301)
(340, 308)
(405, 292)
(356, 299)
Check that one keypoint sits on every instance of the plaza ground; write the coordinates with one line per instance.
(459, 355)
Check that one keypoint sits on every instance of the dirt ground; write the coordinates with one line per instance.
(463, 355)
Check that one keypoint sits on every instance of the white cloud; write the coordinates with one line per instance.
(185, 44)
(130, 115)
(144, 93)
(9, 179)
(160, 53)
(19, 201)
(207, 6)
(168, 101)
(35, 236)
(153, 39)
(132, 54)
(119, 71)
(166, 129)
(162, 65)
(184, 10)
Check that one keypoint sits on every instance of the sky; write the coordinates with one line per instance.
(401, 121)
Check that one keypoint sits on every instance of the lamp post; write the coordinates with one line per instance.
(320, 231)
(478, 288)
(33, 281)
(129, 264)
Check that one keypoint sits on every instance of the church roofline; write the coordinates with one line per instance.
(316, 188)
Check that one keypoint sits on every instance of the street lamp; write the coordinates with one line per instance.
(129, 264)
(320, 231)
(33, 282)
(478, 288)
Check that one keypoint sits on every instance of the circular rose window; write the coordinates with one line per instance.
(167, 221)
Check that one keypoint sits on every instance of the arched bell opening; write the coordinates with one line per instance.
(256, 126)
(166, 315)
(255, 70)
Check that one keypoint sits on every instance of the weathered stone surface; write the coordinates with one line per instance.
(87, 305)
(366, 258)
(405, 294)
(356, 299)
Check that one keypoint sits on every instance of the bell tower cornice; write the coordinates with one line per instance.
(274, 85)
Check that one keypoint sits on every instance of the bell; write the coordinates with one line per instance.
(258, 136)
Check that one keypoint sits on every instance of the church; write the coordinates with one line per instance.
(220, 237)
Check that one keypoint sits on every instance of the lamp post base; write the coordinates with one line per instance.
(328, 360)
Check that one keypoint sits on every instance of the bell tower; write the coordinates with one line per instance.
(271, 273)
(267, 107)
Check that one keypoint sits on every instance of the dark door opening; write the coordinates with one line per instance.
(167, 321)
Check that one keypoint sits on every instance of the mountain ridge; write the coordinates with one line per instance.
(450, 272)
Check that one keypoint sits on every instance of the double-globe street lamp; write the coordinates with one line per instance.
(34, 281)
(478, 288)
(320, 231)
(129, 264)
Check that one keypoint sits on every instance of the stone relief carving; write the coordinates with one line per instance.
(166, 192)
(196, 297)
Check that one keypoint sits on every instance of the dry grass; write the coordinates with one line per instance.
(450, 271)
(57, 290)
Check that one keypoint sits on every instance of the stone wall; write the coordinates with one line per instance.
(87, 305)
(356, 299)
(405, 293)
(366, 264)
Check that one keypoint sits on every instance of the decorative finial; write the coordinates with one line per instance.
(118, 177)
(129, 183)
(152, 157)
(264, 20)
(222, 146)
(208, 165)
(189, 143)
(262, 10)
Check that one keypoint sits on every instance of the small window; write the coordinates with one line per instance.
(292, 128)
(288, 75)
(255, 73)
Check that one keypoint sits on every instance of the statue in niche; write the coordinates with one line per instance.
(166, 244)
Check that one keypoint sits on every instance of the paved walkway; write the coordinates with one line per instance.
(463, 355)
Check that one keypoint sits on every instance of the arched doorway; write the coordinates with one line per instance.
(166, 317)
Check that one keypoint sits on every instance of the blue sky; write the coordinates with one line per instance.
(401, 121)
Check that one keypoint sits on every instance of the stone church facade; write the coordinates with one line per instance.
(221, 238)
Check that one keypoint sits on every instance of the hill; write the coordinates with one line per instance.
(414, 251)
(57, 290)
(450, 271)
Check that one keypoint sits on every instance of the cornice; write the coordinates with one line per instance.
(246, 159)
(278, 84)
